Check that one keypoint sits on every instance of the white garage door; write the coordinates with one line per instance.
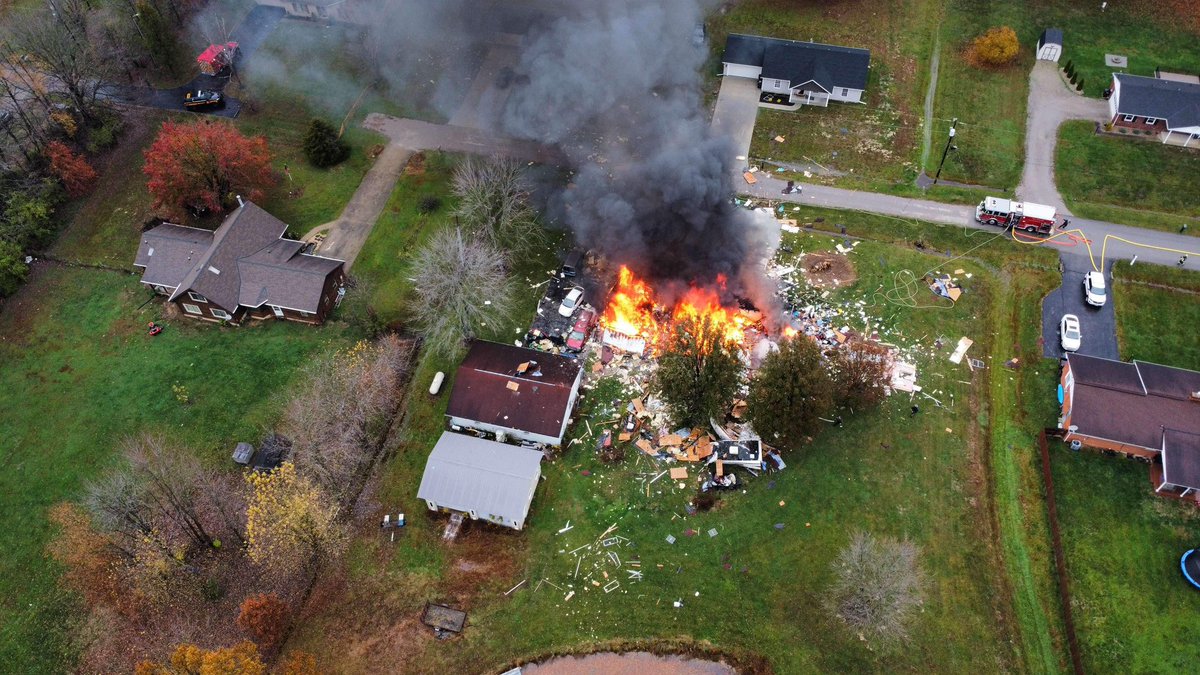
(739, 70)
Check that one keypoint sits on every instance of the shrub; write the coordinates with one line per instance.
(105, 135)
(264, 617)
(12, 268)
(1079, 85)
(996, 47)
(322, 145)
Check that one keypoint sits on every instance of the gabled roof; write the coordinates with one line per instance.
(1132, 403)
(490, 387)
(168, 251)
(492, 479)
(244, 262)
(799, 62)
(1051, 36)
(1176, 102)
(1181, 458)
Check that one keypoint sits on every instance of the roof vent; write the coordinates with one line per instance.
(150, 251)
(213, 270)
(240, 202)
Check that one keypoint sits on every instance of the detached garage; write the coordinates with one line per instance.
(482, 479)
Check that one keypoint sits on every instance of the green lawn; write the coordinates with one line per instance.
(1101, 176)
(1156, 310)
(1133, 610)
(883, 471)
(991, 105)
(80, 374)
(876, 144)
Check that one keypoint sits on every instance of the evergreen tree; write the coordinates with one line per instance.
(323, 146)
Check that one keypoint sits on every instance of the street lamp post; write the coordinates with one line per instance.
(953, 124)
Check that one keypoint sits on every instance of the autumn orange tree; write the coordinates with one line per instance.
(77, 176)
(202, 166)
(188, 659)
(264, 617)
(996, 47)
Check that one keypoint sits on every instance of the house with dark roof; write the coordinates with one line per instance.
(1166, 106)
(245, 268)
(1138, 409)
(514, 393)
(324, 10)
(808, 73)
(482, 479)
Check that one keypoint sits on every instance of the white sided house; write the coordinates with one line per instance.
(1166, 106)
(808, 73)
(482, 479)
(514, 393)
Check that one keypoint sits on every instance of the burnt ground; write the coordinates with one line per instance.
(828, 270)
(594, 277)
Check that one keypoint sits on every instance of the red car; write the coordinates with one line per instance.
(580, 331)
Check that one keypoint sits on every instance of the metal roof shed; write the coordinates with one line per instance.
(481, 478)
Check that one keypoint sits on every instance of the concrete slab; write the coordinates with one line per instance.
(735, 114)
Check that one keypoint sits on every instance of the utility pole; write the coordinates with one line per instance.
(953, 124)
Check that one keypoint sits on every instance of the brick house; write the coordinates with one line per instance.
(246, 268)
(1138, 409)
(1165, 106)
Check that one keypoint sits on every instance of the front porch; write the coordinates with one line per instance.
(793, 100)
(1184, 139)
(1190, 496)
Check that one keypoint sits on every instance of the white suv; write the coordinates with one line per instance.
(1094, 290)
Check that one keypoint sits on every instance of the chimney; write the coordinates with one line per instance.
(240, 202)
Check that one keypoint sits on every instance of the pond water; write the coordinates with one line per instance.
(629, 663)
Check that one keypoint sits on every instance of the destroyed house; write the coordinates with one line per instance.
(482, 479)
(246, 268)
(1139, 409)
(515, 393)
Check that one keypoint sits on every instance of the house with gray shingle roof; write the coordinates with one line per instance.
(1162, 106)
(807, 73)
(482, 479)
(245, 268)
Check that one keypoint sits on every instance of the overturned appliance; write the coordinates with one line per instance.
(747, 453)
(634, 344)
(727, 481)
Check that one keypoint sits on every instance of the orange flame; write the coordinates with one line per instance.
(632, 310)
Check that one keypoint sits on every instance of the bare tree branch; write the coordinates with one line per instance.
(494, 201)
(878, 586)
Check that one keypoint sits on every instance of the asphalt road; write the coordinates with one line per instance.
(1098, 325)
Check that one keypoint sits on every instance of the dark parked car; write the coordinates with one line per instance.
(580, 332)
(202, 98)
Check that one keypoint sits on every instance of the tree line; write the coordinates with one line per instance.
(163, 539)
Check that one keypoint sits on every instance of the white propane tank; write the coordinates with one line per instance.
(436, 386)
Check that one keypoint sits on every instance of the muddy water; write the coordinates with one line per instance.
(631, 663)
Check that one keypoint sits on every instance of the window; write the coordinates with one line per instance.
(221, 314)
(161, 290)
(191, 309)
(197, 297)
(845, 93)
(1151, 120)
(1129, 118)
(778, 84)
(278, 311)
(306, 314)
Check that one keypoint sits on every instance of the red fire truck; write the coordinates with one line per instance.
(1027, 216)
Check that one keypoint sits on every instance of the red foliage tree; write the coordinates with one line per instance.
(77, 176)
(264, 617)
(202, 165)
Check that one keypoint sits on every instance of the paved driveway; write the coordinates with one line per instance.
(419, 135)
(1097, 324)
(735, 113)
(346, 235)
(1051, 102)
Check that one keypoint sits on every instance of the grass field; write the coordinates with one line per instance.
(1156, 306)
(79, 374)
(883, 471)
(991, 105)
(1101, 176)
(876, 145)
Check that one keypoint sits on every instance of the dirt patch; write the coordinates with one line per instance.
(416, 165)
(828, 270)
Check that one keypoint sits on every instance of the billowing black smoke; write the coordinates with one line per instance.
(617, 87)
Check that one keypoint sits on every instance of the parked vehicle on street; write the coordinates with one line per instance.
(571, 302)
(1069, 333)
(583, 328)
(1025, 216)
(202, 98)
(1094, 290)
